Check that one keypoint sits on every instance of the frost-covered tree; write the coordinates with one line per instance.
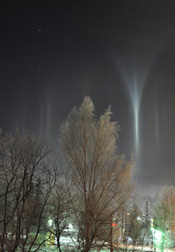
(99, 180)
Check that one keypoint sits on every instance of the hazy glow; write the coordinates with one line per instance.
(156, 116)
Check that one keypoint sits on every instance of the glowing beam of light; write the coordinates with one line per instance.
(135, 87)
(135, 77)
(135, 93)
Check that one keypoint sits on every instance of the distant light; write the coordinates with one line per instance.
(39, 29)
(50, 222)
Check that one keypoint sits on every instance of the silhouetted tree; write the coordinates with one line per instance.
(58, 212)
(146, 222)
(23, 161)
(135, 224)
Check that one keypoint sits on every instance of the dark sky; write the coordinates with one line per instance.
(120, 53)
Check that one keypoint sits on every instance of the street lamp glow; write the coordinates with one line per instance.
(157, 234)
(157, 237)
(50, 222)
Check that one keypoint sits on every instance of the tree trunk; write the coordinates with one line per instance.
(111, 236)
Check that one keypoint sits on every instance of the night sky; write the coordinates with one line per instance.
(120, 53)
